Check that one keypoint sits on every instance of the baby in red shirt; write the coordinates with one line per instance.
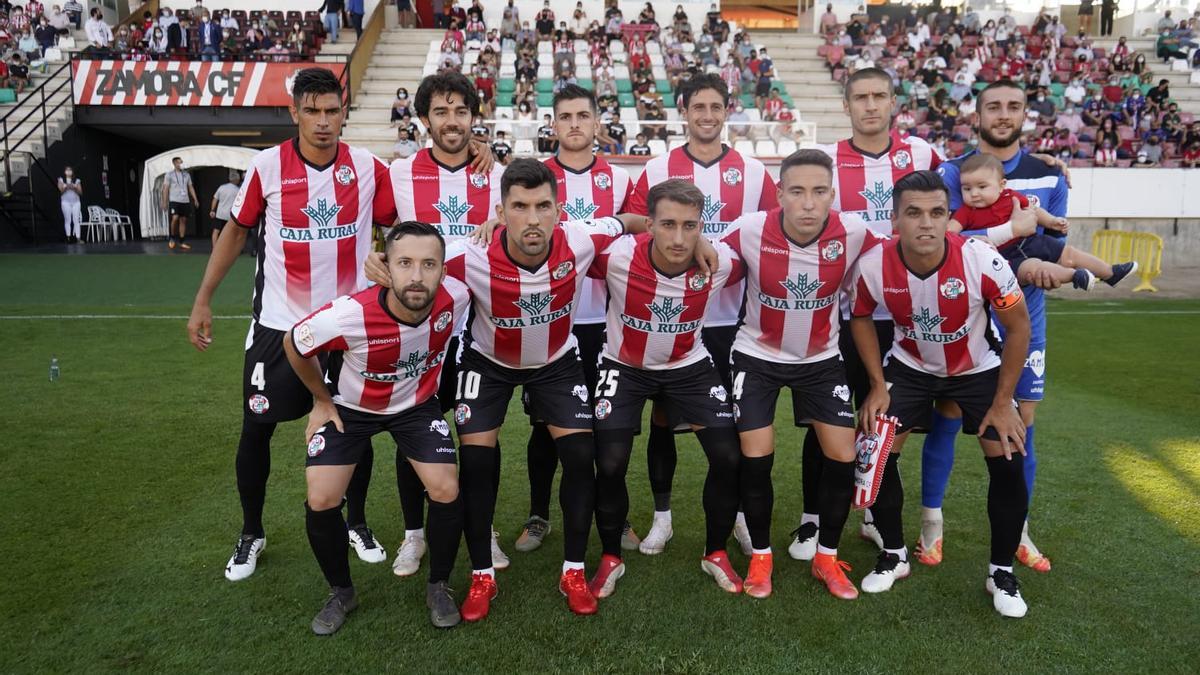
(988, 203)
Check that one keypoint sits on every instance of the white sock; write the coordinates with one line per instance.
(741, 517)
(491, 572)
(762, 551)
(931, 514)
(568, 565)
(902, 552)
(806, 518)
(826, 551)
(419, 533)
(868, 517)
(662, 517)
(992, 569)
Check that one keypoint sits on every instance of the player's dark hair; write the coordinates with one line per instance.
(413, 228)
(176, 159)
(445, 82)
(998, 84)
(918, 181)
(574, 92)
(528, 173)
(699, 83)
(865, 74)
(674, 190)
(982, 160)
(805, 157)
(315, 82)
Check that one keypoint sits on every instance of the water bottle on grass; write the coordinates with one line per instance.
(53, 368)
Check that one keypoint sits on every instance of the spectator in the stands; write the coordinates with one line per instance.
(544, 22)
(1160, 93)
(1075, 91)
(485, 84)
(99, 35)
(612, 25)
(45, 34)
(1167, 47)
(59, 19)
(1135, 106)
(18, 73)
(1106, 155)
(1191, 155)
(1066, 141)
(74, 11)
(158, 45)
(210, 39)
(615, 134)
(230, 47)
(527, 121)
(547, 139)
(1043, 106)
(501, 148)
(565, 77)
(227, 21)
(655, 114)
(1107, 132)
(1165, 23)
(772, 106)
(1069, 119)
(401, 106)
(297, 39)
(641, 149)
(475, 29)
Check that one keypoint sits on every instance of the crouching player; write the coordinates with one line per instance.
(939, 288)
(393, 343)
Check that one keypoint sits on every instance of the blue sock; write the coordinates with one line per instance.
(1030, 463)
(937, 458)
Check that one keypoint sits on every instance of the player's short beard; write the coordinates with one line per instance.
(441, 144)
(991, 139)
(402, 296)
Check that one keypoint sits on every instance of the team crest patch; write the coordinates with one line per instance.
(316, 446)
(462, 414)
(842, 391)
(259, 404)
(562, 270)
(603, 409)
(440, 426)
(833, 250)
(953, 288)
(304, 335)
(697, 282)
(479, 180)
(602, 181)
(442, 321)
(732, 176)
(344, 175)
(902, 159)
(718, 392)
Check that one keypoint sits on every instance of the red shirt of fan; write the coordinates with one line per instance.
(772, 107)
(599, 191)
(998, 213)
(523, 317)
(455, 199)
(317, 227)
(733, 185)
(388, 366)
(793, 288)
(654, 320)
(942, 321)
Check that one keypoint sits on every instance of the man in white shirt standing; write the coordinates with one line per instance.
(179, 199)
(98, 33)
(222, 203)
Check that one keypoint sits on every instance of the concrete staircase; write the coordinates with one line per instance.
(23, 122)
(817, 97)
(398, 61)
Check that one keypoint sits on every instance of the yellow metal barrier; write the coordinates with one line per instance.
(1114, 246)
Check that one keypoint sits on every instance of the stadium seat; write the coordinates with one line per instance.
(544, 84)
(8, 95)
(657, 146)
(676, 142)
(545, 99)
(786, 147)
(624, 86)
(765, 149)
(744, 147)
(523, 148)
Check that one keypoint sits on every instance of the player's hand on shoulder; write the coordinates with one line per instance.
(707, 258)
(1004, 418)
(482, 236)
(482, 159)
(199, 326)
(323, 413)
(376, 271)
(1054, 162)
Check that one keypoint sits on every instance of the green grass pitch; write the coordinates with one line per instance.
(121, 510)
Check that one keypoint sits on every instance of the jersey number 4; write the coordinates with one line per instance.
(257, 377)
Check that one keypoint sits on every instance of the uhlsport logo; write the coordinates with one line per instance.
(952, 288)
(452, 209)
(580, 209)
(442, 321)
(344, 175)
(259, 404)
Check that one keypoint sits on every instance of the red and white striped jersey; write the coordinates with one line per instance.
(455, 199)
(654, 320)
(318, 227)
(388, 366)
(864, 181)
(523, 317)
(598, 191)
(792, 290)
(942, 322)
(733, 185)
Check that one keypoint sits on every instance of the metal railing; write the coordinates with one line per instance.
(34, 102)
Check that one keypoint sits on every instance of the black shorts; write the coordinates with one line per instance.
(421, 435)
(856, 373)
(913, 393)
(218, 223)
(557, 393)
(181, 209)
(448, 385)
(1036, 246)
(590, 337)
(718, 340)
(271, 391)
(819, 392)
(761, 89)
(693, 394)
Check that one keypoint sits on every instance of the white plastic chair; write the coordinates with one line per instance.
(95, 224)
(657, 147)
(744, 147)
(786, 147)
(524, 148)
(764, 149)
(119, 223)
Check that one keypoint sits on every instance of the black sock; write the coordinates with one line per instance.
(477, 491)
(613, 449)
(888, 505)
(1007, 505)
(541, 462)
(445, 531)
(758, 497)
(812, 460)
(412, 493)
(837, 491)
(660, 462)
(723, 450)
(356, 492)
(577, 492)
(253, 466)
(496, 474)
(328, 538)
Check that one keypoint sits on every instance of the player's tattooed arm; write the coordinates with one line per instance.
(862, 329)
(481, 155)
(309, 372)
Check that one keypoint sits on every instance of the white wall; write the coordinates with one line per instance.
(1134, 193)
